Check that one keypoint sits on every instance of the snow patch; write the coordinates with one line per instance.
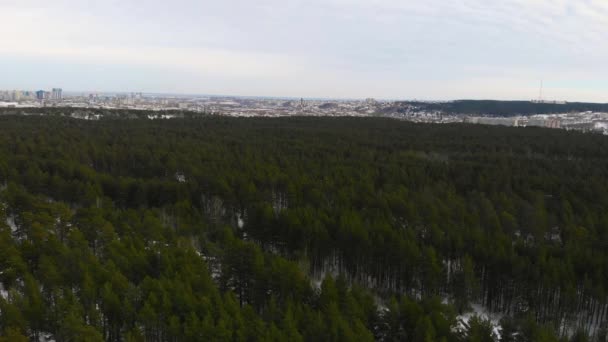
(316, 283)
(46, 337)
(3, 292)
(180, 177)
(214, 265)
(481, 312)
(10, 221)
(601, 125)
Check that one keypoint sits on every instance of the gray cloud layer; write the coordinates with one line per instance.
(436, 49)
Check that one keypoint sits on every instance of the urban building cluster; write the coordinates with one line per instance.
(276, 107)
(31, 97)
(584, 121)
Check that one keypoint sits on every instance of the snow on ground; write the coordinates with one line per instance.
(46, 337)
(10, 221)
(214, 265)
(162, 116)
(601, 125)
(380, 304)
(481, 312)
(3, 292)
(316, 282)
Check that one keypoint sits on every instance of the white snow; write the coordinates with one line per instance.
(214, 265)
(46, 337)
(180, 177)
(3, 292)
(10, 221)
(316, 283)
(601, 125)
(162, 116)
(481, 312)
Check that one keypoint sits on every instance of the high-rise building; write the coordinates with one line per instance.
(40, 95)
(16, 96)
(57, 94)
(28, 95)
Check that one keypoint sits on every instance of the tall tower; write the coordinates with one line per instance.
(57, 94)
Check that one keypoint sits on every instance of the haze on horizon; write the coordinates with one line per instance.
(439, 49)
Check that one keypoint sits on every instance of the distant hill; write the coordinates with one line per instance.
(505, 108)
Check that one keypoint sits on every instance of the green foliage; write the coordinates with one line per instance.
(100, 240)
(509, 108)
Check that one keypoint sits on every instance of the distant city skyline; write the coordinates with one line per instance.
(338, 49)
(52, 95)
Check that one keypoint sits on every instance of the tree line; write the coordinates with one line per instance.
(507, 108)
(299, 229)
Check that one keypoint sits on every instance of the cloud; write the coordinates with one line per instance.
(207, 61)
(348, 48)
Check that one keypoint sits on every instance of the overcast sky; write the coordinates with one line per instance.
(400, 49)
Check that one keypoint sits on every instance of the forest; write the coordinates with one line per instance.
(300, 229)
(508, 108)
